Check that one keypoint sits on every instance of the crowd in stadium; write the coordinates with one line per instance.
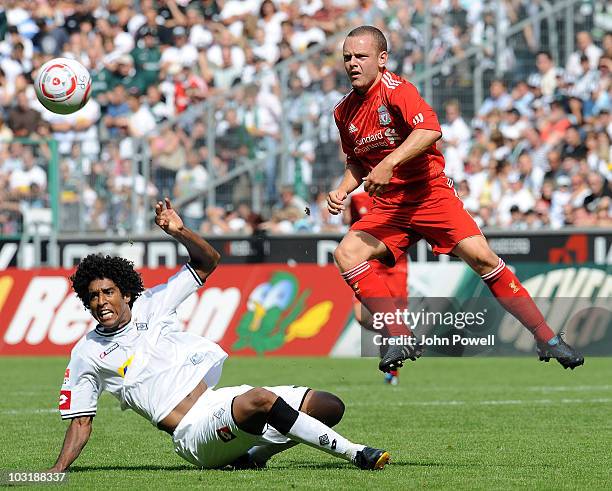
(536, 154)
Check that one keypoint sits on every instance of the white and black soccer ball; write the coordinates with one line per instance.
(63, 85)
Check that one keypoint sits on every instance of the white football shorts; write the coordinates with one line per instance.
(208, 436)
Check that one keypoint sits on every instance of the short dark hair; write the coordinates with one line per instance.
(97, 267)
(545, 53)
(375, 32)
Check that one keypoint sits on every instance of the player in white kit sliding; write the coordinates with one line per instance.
(139, 354)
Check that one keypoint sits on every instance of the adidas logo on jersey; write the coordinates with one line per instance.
(352, 128)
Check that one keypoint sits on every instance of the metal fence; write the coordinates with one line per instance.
(445, 58)
(278, 129)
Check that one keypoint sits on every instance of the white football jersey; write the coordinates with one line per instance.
(149, 365)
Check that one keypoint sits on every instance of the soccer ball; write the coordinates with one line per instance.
(63, 85)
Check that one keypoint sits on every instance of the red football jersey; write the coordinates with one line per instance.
(375, 124)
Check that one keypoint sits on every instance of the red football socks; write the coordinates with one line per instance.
(513, 296)
(372, 292)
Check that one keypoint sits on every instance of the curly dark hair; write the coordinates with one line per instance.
(97, 267)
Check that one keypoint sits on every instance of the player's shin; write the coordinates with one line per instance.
(513, 296)
(303, 428)
(372, 292)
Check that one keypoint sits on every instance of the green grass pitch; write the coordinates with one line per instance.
(480, 423)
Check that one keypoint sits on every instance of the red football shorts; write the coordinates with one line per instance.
(438, 217)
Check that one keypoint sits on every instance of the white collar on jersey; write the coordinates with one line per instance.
(100, 330)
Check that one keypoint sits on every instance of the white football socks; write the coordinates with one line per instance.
(312, 432)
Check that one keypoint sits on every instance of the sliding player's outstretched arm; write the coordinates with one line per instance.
(77, 435)
(202, 256)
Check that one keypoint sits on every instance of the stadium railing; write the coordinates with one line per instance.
(438, 82)
(243, 176)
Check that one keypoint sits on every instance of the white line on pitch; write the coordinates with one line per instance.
(19, 412)
(569, 388)
(500, 402)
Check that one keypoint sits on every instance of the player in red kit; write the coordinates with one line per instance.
(388, 133)
(395, 277)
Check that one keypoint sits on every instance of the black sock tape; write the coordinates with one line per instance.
(282, 416)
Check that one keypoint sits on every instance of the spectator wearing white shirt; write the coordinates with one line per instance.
(308, 34)
(141, 121)
(560, 198)
(21, 180)
(587, 48)
(128, 182)
(470, 203)
(456, 134)
(546, 78)
(123, 41)
(80, 126)
(182, 52)
(587, 82)
(498, 99)
(522, 98)
(159, 105)
(483, 182)
(11, 39)
(12, 67)
(512, 125)
(515, 195)
(261, 119)
(191, 180)
(226, 56)
(199, 34)
(299, 172)
(234, 13)
(270, 21)
(532, 177)
(580, 190)
(262, 48)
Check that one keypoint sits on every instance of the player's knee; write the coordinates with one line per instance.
(484, 260)
(260, 400)
(335, 411)
(345, 257)
(340, 256)
(324, 406)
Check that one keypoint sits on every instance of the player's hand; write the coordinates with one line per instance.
(335, 201)
(376, 181)
(167, 218)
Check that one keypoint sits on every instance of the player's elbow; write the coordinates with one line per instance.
(208, 263)
(434, 136)
(215, 258)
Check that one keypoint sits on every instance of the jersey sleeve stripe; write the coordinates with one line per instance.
(195, 275)
(389, 82)
(78, 414)
(387, 76)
